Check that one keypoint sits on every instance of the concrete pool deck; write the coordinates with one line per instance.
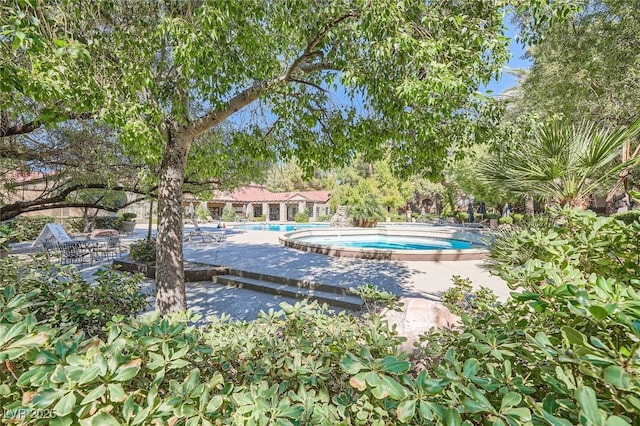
(260, 251)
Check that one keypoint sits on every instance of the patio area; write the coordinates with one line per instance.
(261, 252)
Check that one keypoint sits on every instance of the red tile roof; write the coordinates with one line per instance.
(260, 194)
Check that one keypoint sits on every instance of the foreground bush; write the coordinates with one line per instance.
(283, 368)
(63, 298)
(27, 228)
(562, 351)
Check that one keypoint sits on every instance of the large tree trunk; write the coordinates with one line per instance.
(170, 291)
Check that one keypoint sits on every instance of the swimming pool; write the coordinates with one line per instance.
(387, 242)
(281, 227)
(429, 243)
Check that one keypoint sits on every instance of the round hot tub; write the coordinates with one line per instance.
(428, 243)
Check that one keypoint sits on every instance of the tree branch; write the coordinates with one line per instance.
(247, 96)
(21, 129)
(308, 83)
(14, 209)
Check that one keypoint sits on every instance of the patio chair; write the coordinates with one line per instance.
(51, 248)
(74, 252)
(205, 236)
(110, 248)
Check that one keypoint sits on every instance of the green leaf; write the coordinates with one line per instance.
(214, 404)
(452, 417)
(292, 412)
(616, 421)
(95, 393)
(104, 419)
(66, 404)
(61, 421)
(599, 312)
(46, 398)
(510, 399)
(89, 374)
(523, 414)
(359, 381)
(116, 392)
(406, 410)
(553, 420)
(351, 364)
(392, 365)
(573, 336)
(471, 367)
(125, 373)
(586, 397)
(616, 376)
(393, 388)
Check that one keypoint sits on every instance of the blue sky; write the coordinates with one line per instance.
(506, 80)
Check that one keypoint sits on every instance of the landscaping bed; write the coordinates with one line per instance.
(193, 271)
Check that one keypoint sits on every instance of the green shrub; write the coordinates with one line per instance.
(109, 222)
(27, 228)
(564, 349)
(129, 217)
(7, 235)
(63, 298)
(228, 214)
(202, 212)
(518, 218)
(262, 218)
(374, 298)
(73, 224)
(462, 217)
(284, 368)
(463, 299)
(143, 251)
(628, 217)
(302, 217)
(506, 220)
(395, 217)
(325, 218)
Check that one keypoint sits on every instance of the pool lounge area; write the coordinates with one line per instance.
(280, 227)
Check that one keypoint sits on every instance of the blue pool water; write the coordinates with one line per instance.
(384, 242)
(281, 228)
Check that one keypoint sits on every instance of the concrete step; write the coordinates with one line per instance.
(310, 285)
(333, 298)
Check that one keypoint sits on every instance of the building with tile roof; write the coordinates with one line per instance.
(256, 200)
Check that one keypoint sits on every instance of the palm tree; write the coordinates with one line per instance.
(563, 164)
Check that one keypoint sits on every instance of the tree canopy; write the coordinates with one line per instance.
(165, 73)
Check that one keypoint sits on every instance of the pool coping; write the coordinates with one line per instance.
(289, 239)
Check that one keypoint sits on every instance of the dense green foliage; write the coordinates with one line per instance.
(565, 345)
(628, 217)
(302, 217)
(563, 351)
(143, 251)
(109, 222)
(562, 164)
(29, 227)
(228, 214)
(61, 297)
(587, 66)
